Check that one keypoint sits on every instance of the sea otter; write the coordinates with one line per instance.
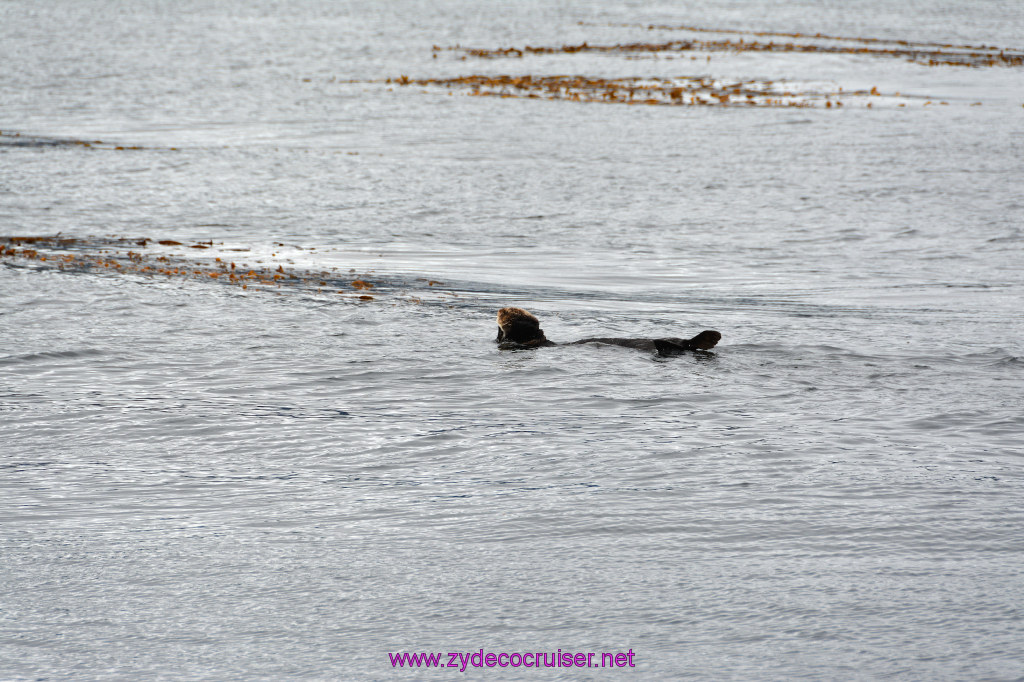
(518, 328)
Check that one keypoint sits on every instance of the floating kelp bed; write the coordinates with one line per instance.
(693, 91)
(704, 90)
(219, 265)
(148, 260)
(999, 56)
(919, 53)
(157, 259)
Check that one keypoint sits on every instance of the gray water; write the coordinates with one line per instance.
(203, 482)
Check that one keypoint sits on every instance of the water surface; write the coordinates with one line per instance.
(200, 481)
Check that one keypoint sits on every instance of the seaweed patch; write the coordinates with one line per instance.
(919, 53)
(705, 90)
(145, 257)
(684, 90)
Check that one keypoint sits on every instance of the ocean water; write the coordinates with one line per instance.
(288, 481)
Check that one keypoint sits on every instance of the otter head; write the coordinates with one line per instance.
(518, 326)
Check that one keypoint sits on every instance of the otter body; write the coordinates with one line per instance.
(519, 328)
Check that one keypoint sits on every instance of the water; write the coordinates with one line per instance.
(205, 482)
